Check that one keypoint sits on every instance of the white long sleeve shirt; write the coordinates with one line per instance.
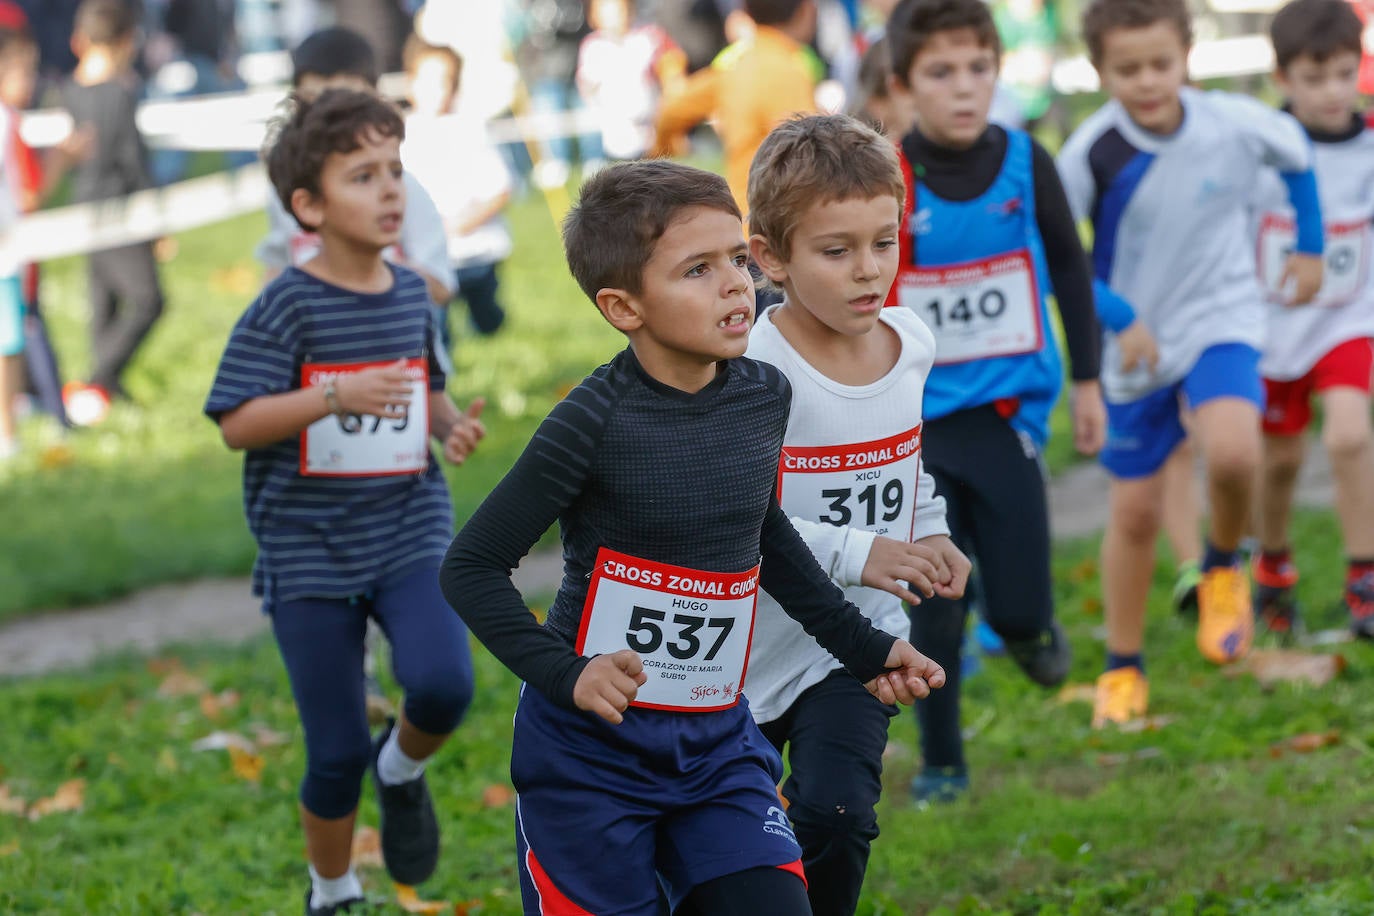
(851, 470)
(1344, 307)
(1171, 222)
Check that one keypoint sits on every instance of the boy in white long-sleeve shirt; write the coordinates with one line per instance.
(1164, 172)
(825, 202)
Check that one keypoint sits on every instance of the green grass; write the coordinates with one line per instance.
(153, 495)
(1197, 817)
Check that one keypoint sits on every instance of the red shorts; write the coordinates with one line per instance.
(1288, 405)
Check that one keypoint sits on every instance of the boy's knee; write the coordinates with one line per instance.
(1233, 463)
(1346, 442)
(1139, 520)
(437, 702)
(333, 781)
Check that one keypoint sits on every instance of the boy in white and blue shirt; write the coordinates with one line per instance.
(1164, 171)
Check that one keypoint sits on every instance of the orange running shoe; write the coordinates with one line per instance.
(1123, 694)
(1225, 619)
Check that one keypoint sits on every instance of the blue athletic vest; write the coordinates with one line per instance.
(951, 234)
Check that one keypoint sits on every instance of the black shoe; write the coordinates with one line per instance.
(486, 317)
(343, 906)
(409, 828)
(1276, 610)
(1045, 658)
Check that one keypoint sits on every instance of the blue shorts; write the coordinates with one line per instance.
(1142, 434)
(609, 814)
(11, 317)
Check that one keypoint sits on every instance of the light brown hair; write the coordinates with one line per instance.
(817, 159)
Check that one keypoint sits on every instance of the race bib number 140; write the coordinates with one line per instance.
(977, 309)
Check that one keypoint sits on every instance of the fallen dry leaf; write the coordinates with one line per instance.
(165, 665)
(180, 683)
(11, 804)
(266, 737)
(1275, 666)
(247, 765)
(1145, 724)
(55, 456)
(1077, 693)
(70, 796)
(497, 795)
(1305, 743)
(367, 848)
(1112, 760)
(167, 761)
(411, 902)
(213, 705)
(9, 848)
(219, 741)
(465, 907)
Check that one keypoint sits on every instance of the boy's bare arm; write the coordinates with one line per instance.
(382, 391)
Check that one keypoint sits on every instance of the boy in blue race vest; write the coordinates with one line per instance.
(988, 235)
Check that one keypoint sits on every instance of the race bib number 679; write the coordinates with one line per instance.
(354, 445)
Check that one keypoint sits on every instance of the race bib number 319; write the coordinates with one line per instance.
(691, 628)
(354, 445)
(977, 309)
(868, 485)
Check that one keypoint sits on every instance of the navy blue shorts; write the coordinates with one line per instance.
(608, 815)
(1142, 434)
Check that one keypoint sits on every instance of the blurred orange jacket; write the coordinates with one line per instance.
(745, 94)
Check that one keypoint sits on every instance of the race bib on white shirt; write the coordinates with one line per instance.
(977, 309)
(354, 445)
(691, 628)
(1346, 267)
(868, 485)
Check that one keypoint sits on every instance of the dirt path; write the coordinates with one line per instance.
(223, 610)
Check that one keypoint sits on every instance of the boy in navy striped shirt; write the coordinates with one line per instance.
(330, 385)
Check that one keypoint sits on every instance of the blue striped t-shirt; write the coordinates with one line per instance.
(330, 537)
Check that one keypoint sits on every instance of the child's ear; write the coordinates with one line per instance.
(773, 266)
(620, 309)
(307, 208)
(1281, 81)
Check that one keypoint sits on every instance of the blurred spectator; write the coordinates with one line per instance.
(874, 102)
(465, 175)
(11, 299)
(547, 57)
(698, 27)
(30, 182)
(752, 86)
(622, 69)
(51, 23)
(126, 296)
(384, 23)
(204, 60)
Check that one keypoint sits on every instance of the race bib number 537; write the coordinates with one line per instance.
(691, 628)
(354, 445)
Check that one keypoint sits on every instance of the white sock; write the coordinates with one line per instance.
(327, 891)
(393, 766)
